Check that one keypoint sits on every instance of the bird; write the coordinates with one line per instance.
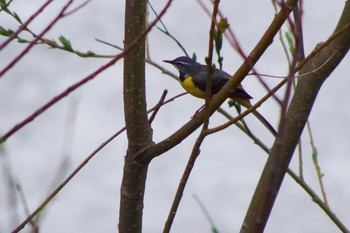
(193, 78)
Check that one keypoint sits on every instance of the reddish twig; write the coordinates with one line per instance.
(155, 109)
(196, 148)
(24, 26)
(77, 8)
(232, 39)
(85, 80)
(60, 187)
(26, 50)
(158, 105)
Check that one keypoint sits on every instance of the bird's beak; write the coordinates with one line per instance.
(169, 61)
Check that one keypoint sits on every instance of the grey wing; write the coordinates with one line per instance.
(200, 79)
(218, 81)
(220, 78)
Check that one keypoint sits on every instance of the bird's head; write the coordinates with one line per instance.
(184, 64)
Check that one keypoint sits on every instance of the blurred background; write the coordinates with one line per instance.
(230, 164)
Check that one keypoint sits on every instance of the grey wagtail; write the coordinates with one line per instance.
(193, 78)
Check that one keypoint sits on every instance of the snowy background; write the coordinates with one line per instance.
(227, 171)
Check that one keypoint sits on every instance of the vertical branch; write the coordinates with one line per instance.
(317, 166)
(196, 148)
(182, 184)
(137, 126)
(316, 70)
(299, 55)
(210, 67)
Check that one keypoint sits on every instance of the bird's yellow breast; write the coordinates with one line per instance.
(191, 88)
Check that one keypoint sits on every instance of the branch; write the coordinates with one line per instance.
(293, 124)
(63, 184)
(30, 217)
(236, 79)
(233, 41)
(24, 25)
(26, 50)
(139, 132)
(196, 148)
(83, 81)
(250, 110)
(166, 32)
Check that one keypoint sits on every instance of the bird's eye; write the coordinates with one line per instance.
(178, 65)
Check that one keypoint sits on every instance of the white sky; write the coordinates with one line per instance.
(225, 174)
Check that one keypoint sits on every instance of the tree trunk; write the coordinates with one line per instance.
(315, 72)
(139, 132)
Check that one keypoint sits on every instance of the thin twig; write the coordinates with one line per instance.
(33, 223)
(7, 5)
(251, 109)
(61, 186)
(183, 181)
(166, 32)
(206, 214)
(168, 101)
(196, 148)
(300, 157)
(110, 44)
(77, 8)
(232, 39)
(147, 59)
(158, 105)
(24, 25)
(255, 139)
(297, 179)
(316, 164)
(31, 44)
(319, 202)
(82, 164)
(85, 80)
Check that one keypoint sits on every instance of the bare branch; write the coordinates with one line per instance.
(83, 81)
(293, 124)
(26, 50)
(236, 79)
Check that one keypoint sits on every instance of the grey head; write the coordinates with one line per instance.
(185, 65)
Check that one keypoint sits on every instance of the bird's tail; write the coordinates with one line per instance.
(263, 120)
(245, 102)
